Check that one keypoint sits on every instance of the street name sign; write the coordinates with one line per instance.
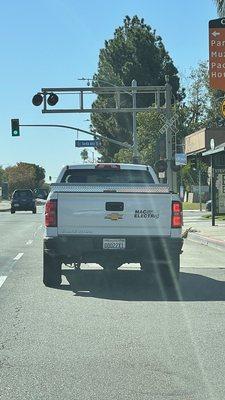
(217, 53)
(88, 143)
(180, 159)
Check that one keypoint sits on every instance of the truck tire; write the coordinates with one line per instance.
(51, 271)
(35, 210)
(12, 211)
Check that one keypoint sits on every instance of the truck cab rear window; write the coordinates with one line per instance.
(107, 176)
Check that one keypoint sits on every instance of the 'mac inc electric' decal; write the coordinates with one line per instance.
(146, 214)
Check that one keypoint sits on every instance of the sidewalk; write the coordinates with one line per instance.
(203, 232)
(5, 205)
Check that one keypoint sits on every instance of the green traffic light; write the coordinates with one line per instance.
(15, 127)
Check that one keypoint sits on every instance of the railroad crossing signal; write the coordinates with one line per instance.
(161, 165)
(15, 124)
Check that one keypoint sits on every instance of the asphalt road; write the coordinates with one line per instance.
(98, 338)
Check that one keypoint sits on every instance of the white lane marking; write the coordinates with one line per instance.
(19, 255)
(29, 242)
(2, 280)
(38, 229)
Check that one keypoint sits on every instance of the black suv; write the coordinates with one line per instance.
(23, 200)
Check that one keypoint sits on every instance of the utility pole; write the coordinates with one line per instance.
(213, 194)
(134, 115)
(200, 185)
(169, 133)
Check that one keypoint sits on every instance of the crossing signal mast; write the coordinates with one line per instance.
(159, 98)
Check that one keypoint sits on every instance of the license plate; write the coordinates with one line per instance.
(114, 244)
(16, 205)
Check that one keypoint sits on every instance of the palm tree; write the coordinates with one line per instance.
(220, 7)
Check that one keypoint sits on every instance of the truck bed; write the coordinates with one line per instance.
(114, 210)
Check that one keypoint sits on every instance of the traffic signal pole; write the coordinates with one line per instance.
(169, 149)
(213, 192)
(134, 114)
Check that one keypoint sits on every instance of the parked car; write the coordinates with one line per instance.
(23, 200)
(208, 205)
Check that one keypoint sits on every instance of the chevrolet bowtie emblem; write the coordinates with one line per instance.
(114, 216)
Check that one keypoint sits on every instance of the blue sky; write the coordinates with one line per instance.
(50, 43)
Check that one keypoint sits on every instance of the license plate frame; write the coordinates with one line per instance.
(114, 244)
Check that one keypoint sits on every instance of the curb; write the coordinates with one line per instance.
(206, 241)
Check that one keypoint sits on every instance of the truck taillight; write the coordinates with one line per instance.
(177, 215)
(51, 213)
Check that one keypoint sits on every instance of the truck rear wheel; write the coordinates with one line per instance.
(51, 271)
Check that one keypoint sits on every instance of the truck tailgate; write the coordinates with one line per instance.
(120, 214)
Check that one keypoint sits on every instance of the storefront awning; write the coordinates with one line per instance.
(217, 149)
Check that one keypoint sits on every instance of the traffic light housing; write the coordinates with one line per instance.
(15, 124)
(194, 164)
(174, 167)
(161, 165)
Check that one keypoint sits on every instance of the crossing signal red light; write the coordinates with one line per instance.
(37, 99)
(52, 99)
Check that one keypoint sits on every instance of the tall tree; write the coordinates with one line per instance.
(199, 110)
(84, 155)
(24, 176)
(202, 102)
(135, 52)
(220, 7)
(2, 175)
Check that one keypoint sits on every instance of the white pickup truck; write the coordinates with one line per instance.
(111, 214)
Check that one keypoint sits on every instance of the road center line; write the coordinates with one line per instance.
(29, 242)
(19, 255)
(2, 280)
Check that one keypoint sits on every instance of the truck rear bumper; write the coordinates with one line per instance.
(90, 248)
